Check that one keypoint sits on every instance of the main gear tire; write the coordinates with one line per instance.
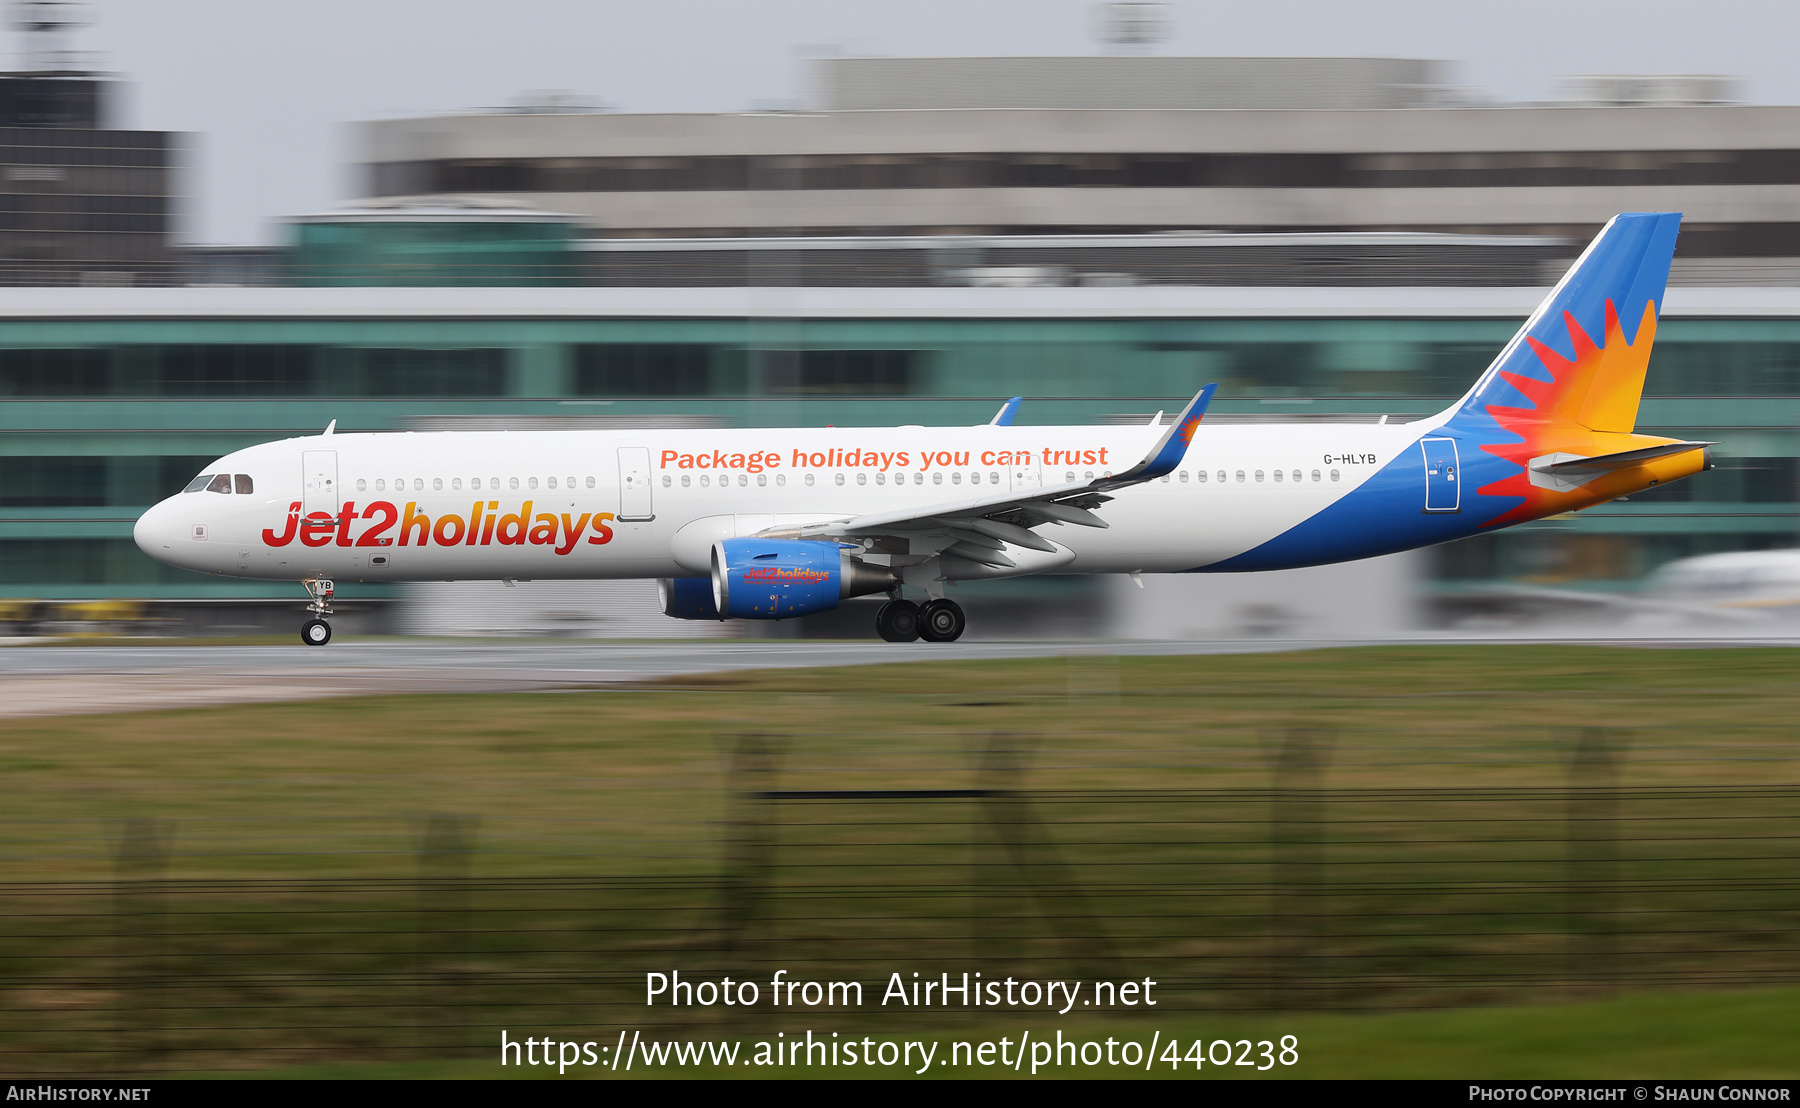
(941, 621)
(898, 621)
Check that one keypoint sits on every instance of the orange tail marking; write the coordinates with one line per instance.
(1601, 388)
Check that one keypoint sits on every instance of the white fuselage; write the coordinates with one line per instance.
(649, 503)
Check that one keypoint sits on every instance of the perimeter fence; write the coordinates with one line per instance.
(227, 944)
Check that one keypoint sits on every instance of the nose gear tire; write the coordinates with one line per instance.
(941, 621)
(315, 632)
(898, 621)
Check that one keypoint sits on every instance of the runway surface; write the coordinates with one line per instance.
(39, 679)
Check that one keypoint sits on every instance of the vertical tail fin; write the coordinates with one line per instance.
(1580, 358)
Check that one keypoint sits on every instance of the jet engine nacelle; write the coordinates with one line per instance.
(784, 578)
(687, 598)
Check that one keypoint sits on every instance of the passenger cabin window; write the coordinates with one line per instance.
(221, 483)
(199, 483)
(244, 485)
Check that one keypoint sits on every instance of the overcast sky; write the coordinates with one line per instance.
(264, 85)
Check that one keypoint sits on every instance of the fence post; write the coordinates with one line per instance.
(441, 929)
(750, 831)
(1296, 855)
(1591, 863)
(1035, 864)
(140, 958)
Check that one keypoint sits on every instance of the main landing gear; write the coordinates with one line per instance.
(315, 631)
(904, 621)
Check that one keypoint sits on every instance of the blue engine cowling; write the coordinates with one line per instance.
(784, 578)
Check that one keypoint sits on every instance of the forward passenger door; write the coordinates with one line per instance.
(635, 497)
(318, 481)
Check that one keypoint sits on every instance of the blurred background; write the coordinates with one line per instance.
(825, 215)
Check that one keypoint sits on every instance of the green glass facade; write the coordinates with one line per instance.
(100, 417)
(425, 253)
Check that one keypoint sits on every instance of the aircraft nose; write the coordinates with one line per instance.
(154, 532)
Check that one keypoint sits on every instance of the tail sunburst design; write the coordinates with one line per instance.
(1587, 406)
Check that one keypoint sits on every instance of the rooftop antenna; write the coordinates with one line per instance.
(49, 27)
(1132, 28)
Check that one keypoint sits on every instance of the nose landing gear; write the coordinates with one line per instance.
(315, 631)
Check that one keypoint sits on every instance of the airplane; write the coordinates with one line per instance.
(779, 523)
(1739, 592)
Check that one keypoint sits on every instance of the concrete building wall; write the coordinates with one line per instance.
(852, 84)
(1371, 599)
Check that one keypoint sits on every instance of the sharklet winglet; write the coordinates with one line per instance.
(1169, 449)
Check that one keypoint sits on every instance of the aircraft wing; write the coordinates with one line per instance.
(978, 527)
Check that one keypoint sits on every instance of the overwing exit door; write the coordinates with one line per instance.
(318, 481)
(635, 504)
(1027, 474)
(1443, 481)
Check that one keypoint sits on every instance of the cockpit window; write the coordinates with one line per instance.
(221, 483)
(244, 485)
(199, 483)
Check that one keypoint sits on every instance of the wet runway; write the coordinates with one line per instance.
(66, 679)
(38, 679)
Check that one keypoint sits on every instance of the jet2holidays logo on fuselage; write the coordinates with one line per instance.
(484, 526)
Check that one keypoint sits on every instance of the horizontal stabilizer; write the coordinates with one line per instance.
(1624, 459)
(1567, 471)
